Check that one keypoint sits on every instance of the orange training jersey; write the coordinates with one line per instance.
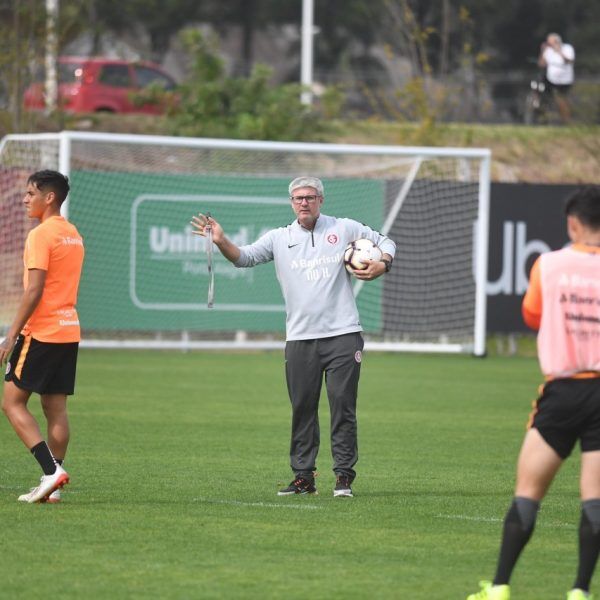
(56, 247)
(563, 300)
(532, 302)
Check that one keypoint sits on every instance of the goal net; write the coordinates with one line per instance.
(145, 275)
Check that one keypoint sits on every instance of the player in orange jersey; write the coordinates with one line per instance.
(43, 339)
(563, 303)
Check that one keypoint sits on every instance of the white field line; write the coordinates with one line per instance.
(468, 518)
(499, 520)
(258, 504)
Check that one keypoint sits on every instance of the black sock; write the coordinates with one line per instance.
(589, 543)
(518, 527)
(44, 457)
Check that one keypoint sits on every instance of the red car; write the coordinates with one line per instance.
(103, 85)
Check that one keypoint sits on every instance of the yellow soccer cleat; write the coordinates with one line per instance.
(491, 592)
(578, 594)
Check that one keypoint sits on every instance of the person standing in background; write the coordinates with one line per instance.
(558, 59)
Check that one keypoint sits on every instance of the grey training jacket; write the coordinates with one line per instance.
(316, 287)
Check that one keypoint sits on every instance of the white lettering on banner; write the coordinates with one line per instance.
(503, 285)
(183, 247)
(523, 250)
(241, 237)
(516, 250)
(163, 241)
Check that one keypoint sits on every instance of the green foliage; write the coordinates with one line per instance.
(212, 104)
(332, 102)
(586, 102)
(154, 95)
(425, 97)
(20, 31)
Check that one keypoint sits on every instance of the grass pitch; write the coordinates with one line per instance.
(176, 459)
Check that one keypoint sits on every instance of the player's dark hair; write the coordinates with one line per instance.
(585, 205)
(51, 181)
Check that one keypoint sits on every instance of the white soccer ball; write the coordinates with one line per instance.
(359, 251)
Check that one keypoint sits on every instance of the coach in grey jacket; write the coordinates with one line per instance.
(322, 324)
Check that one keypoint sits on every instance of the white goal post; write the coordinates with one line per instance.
(145, 276)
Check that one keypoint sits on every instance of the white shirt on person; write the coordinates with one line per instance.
(559, 68)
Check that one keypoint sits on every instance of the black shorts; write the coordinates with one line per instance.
(563, 90)
(43, 367)
(568, 410)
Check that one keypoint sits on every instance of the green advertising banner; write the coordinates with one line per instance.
(145, 270)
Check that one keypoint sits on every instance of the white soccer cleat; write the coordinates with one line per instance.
(48, 489)
(54, 497)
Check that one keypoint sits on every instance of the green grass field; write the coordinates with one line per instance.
(176, 458)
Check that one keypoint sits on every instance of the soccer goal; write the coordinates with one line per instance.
(145, 276)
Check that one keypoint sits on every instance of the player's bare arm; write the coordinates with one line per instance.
(228, 249)
(30, 299)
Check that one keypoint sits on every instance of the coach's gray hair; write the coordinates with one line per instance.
(306, 181)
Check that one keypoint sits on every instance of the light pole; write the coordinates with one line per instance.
(51, 83)
(306, 65)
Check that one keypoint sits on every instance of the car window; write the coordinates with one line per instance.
(69, 72)
(148, 76)
(115, 76)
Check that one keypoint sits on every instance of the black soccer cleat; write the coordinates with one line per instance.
(300, 485)
(342, 487)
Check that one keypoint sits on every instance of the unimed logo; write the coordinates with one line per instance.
(182, 247)
(163, 240)
(516, 251)
(168, 267)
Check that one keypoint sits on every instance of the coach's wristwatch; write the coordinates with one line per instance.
(387, 263)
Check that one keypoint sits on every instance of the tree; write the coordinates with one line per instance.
(21, 27)
(213, 104)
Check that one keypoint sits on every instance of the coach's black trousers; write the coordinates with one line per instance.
(306, 361)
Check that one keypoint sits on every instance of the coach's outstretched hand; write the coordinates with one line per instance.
(202, 222)
(201, 225)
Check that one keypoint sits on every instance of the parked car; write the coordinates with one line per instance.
(104, 85)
